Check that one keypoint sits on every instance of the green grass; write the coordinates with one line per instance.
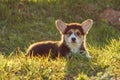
(23, 23)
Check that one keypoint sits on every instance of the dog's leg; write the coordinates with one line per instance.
(84, 50)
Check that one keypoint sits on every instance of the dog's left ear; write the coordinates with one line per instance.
(86, 25)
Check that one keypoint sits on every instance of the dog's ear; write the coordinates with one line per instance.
(86, 25)
(61, 26)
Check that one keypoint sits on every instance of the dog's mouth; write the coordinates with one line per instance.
(73, 42)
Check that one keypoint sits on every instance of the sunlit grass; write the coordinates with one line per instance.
(104, 64)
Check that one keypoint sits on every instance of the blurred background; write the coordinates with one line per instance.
(23, 22)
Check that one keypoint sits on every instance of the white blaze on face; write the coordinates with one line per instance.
(74, 39)
(72, 36)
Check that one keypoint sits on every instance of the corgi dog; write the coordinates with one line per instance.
(73, 40)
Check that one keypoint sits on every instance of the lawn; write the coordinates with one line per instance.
(25, 22)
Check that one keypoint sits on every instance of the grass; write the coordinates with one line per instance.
(25, 22)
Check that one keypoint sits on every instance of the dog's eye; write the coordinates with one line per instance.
(77, 33)
(70, 33)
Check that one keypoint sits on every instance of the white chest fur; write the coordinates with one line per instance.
(74, 48)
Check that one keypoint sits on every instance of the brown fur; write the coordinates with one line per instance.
(52, 47)
(74, 26)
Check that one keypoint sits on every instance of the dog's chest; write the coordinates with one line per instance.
(74, 48)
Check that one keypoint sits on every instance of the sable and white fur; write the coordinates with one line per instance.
(73, 39)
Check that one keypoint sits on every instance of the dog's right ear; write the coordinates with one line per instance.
(61, 26)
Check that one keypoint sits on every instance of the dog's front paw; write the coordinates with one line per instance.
(88, 55)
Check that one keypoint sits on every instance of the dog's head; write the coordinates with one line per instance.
(73, 33)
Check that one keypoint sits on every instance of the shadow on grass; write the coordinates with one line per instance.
(76, 65)
(82, 68)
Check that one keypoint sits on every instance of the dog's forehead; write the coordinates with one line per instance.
(75, 27)
(74, 30)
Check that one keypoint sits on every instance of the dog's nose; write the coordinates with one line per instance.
(73, 39)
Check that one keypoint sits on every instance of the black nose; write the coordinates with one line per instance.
(73, 39)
